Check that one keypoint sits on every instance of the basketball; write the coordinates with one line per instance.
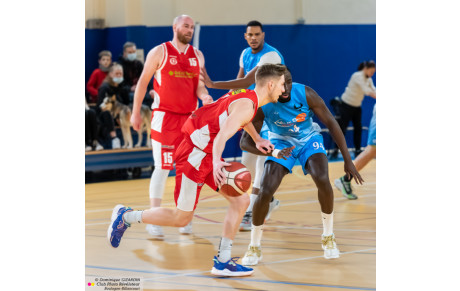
(238, 179)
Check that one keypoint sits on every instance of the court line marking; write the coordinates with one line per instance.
(224, 210)
(266, 281)
(205, 199)
(172, 275)
(211, 286)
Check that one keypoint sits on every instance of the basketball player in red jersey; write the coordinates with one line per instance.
(199, 161)
(176, 67)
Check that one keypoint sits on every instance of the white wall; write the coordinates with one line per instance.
(231, 12)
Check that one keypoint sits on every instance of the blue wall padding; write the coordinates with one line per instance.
(320, 56)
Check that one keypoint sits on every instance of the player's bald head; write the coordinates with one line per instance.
(181, 18)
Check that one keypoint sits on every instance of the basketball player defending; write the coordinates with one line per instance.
(176, 67)
(199, 161)
(290, 124)
(257, 54)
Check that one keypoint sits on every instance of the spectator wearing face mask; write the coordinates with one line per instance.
(111, 86)
(132, 67)
(98, 75)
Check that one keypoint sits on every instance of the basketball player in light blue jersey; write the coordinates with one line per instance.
(291, 126)
(257, 54)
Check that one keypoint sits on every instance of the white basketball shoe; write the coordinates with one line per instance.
(154, 230)
(253, 256)
(330, 247)
(186, 229)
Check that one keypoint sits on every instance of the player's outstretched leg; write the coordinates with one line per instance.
(317, 166)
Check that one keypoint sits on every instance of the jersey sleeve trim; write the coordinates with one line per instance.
(165, 56)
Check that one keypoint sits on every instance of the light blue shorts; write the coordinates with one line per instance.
(313, 146)
(372, 137)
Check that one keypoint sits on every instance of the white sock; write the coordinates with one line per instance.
(225, 250)
(256, 235)
(132, 217)
(252, 199)
(328, 223)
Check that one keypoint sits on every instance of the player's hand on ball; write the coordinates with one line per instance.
(285, 153)
(219, 176)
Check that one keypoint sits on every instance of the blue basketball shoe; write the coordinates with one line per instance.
(230, 268)
(117, 226)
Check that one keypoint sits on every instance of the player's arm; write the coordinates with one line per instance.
(251, 134)
(240, 73)
(320, 109)
(252, 142)
(365, 85)
(241, 83)
(240, 113)
(201, 90)
(152, 63)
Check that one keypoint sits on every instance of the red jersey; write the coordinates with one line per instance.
(203, 125)
(176, 80)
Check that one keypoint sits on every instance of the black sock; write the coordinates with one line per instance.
(346, 178)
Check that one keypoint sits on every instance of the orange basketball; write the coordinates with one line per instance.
(238, 179)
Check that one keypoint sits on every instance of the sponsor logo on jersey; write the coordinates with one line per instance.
(238, 91)
(295, 129)
(182, 74)
(300, 117)
(298, 108)
(282, 123)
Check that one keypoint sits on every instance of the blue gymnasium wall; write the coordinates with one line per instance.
(320, 56)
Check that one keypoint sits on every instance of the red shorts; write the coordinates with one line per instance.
(166, 136)
(193, 170)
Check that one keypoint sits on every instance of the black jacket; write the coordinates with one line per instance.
(108, 90)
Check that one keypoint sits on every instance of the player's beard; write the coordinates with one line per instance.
(182, 38)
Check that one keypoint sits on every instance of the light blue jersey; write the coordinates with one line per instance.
(293, 118)
(291, 124)
(248, 61)
(268, 55)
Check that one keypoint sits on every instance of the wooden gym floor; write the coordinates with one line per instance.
(291, 244)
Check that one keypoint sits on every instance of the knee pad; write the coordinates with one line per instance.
(158, 183)
(249, 161)
(259, 171)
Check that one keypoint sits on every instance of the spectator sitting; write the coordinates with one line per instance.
(91, 130)
(98, 75)
(111, 86)
(132, 67)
